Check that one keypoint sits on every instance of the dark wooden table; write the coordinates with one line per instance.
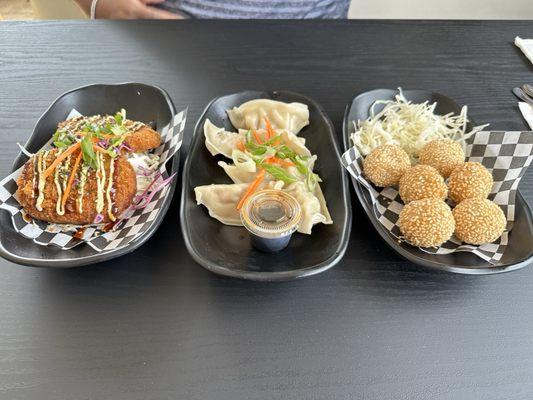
(155, 325)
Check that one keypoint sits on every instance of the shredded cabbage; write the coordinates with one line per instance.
(410, 126)
(145, 165)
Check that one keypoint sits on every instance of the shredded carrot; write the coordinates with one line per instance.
(277, 160)
(257, 138)
(60, 158)
(270, 131)
(71, 180)
(286, 163)
(253, 186)
(100, 149)
(240, 146)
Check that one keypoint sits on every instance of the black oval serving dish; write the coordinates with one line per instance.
(226, 250)
(144, 103)
(519, 252)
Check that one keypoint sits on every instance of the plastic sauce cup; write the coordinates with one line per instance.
(271, 216)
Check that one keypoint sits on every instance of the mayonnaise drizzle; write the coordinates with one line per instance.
(35, 166)
(100, 183)
(60, 180)
(41, 167)
(59, 209)
(108, 191)
(74, 125)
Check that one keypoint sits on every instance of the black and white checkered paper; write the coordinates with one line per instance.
(128, 230)
(505, 154)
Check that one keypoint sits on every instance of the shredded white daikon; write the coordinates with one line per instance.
(410, 126)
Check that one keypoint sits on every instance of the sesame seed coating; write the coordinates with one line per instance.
(422, 182)
(385, 165)
(470, 180)
(442, 154)
(426, 222)
(478, 221)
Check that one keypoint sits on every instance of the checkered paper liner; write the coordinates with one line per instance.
(505, 154)
(129, 230)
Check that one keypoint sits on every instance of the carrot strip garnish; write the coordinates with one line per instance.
(71, 180)
(60, 158)
(257, 138)
(277, 160)
(100, 149)
(240, 146)
(253, 186)
(286, 163)
(270, 131)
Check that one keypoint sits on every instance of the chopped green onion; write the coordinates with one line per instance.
(279, 173)
(89, 156)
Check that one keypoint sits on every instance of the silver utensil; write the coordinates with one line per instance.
(528, 89)
(522, 95)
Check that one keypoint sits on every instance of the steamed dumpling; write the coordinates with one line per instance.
(218, 140)
(237, 173)
(293, 142)
(313, 209)
(251, 115)
(221, 200)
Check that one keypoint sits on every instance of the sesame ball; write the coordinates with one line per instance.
(442, 154)
(478, 221)
(385, 165)
(426, 222)
(468, 181)
(422, 182)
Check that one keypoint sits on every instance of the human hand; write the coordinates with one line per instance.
(132, 9)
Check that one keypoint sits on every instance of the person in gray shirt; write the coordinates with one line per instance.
(252, 9)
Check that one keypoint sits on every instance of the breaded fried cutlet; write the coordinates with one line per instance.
(139, 136)
(93, 196)
(143, 139)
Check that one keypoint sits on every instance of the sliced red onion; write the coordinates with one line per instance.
(125, 146)
(99, 218)
(148, 198)
(103, 144)
(145, 171)
(142, 200)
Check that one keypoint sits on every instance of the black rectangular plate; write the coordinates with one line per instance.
(142, 102)
(226, 250)
(519, 252)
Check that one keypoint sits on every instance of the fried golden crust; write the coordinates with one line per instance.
(139, 140)
(143, 139)
(124, 183)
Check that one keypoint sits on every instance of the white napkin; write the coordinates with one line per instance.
(527, 112)
(526, 45)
